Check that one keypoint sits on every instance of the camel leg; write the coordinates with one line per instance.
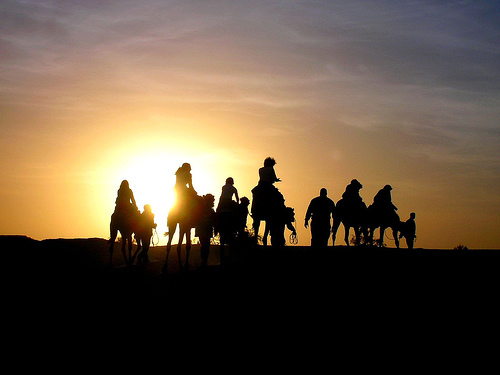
(266, 235)
(357, 234)
(395, 235)
(137, 251)
(144, 254)
(111, 245)
(111, 248)
(346, 235)
(366, 238)
(113, 233)
(179, 248)
(124, 252)
(188, 248)
(381, 241)
(130, 245)
(335, 228)
(256, 227)
(169, 246)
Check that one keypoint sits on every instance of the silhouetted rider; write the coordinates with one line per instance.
(125, 201)
(266, 197)
(183, 187)
(382, 201)
(351, 193)
(321, 211)
(267, 175)
(226, 203)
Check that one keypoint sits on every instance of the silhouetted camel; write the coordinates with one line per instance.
(351, 216)
(382, 219)
(186, 217)
(269, 206)
(231, 223)
(124, 222)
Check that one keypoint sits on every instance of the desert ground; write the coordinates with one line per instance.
(65, 288)
(79, 270)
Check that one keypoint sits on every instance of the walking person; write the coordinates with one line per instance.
(320, 211)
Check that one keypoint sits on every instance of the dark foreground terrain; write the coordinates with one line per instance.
(362, 300)
(77, 270)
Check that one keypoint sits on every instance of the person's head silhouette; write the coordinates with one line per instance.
(355, 183)
(269, 162)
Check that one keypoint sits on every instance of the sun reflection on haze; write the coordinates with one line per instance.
(151, 176)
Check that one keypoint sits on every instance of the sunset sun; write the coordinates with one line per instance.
(151, 176)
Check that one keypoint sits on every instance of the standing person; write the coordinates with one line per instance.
(144, 233)
(241, 217)
(207, 226)
(409, 231)
(321, 211)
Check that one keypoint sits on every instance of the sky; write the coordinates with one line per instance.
(404, 93)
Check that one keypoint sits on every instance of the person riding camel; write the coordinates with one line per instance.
(125, 201)
(266, 197)
(183, 188)
(267, 175)
(382, 201)
(265, 193)
(351, 193)
(226, 203)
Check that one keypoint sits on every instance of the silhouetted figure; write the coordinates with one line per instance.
(241, 217)
(227, 217)
(184, 192)
(321, 210)
(183, 212)
(409, 230)
(350, 211)
(282, 218)
(382, 213)
(267, 175)
(351, 195)
(206, 227)
(382, 201)
(144, 233)
(226, 202)
(124, 220)
(265, 193)
(125, 200)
